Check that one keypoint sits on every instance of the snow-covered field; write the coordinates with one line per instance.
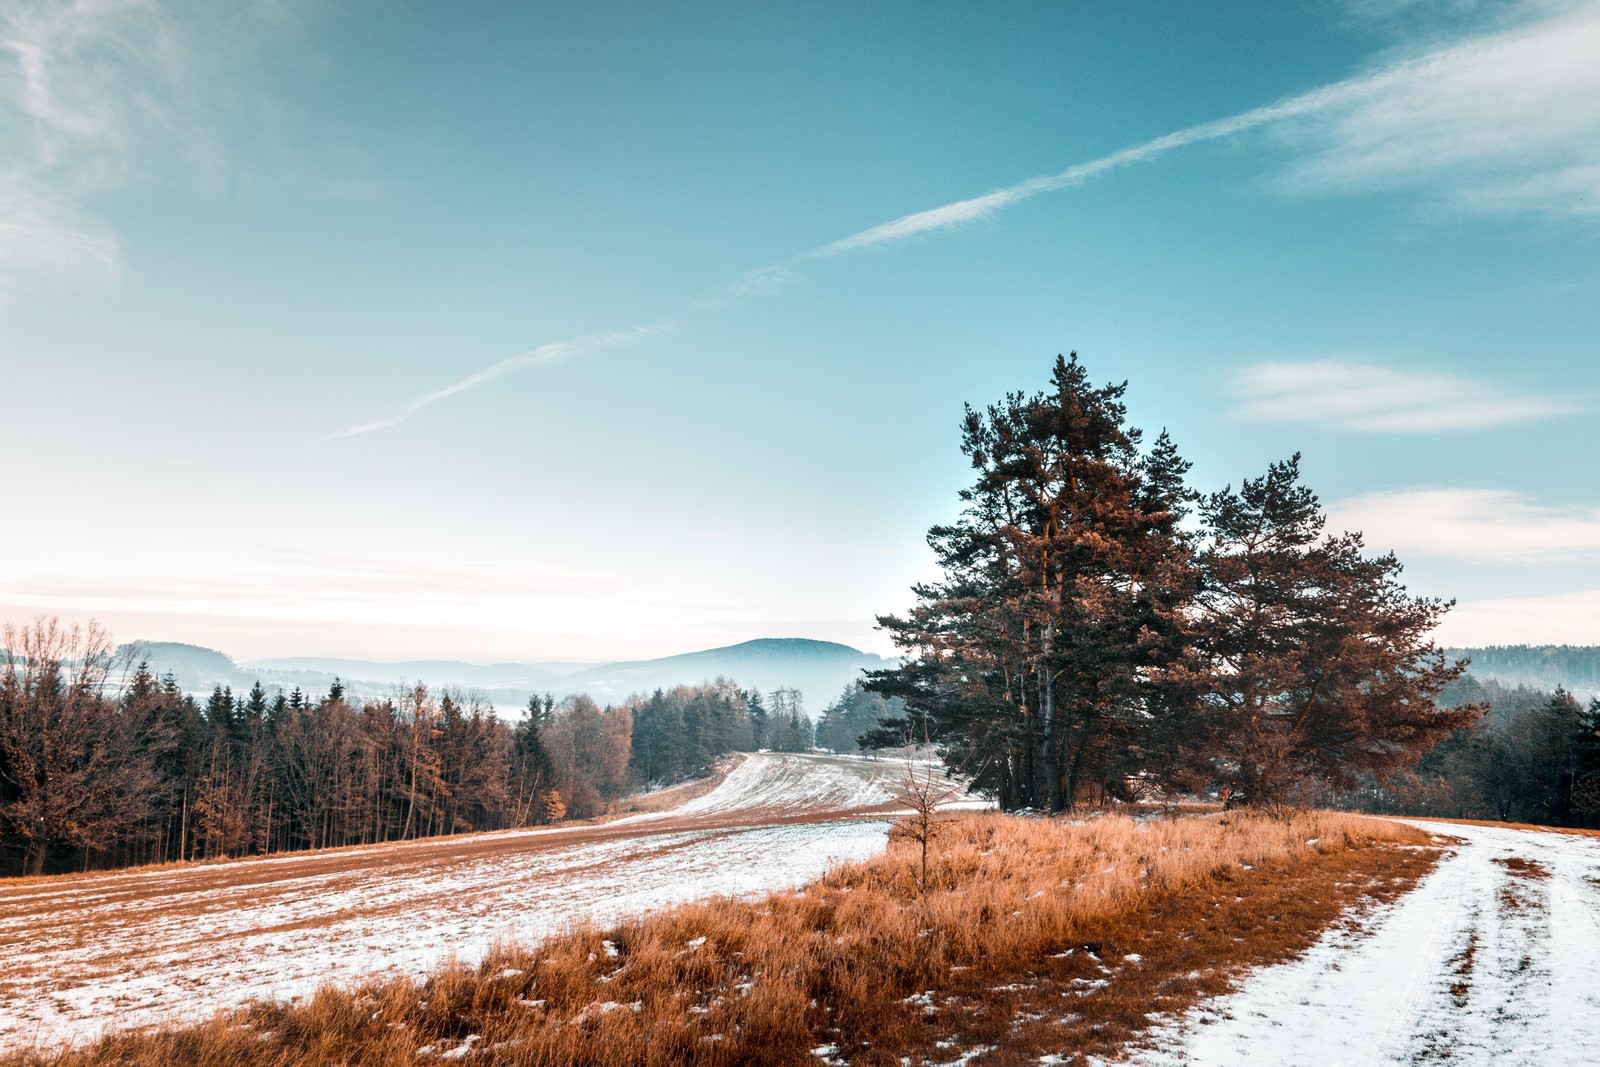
(1493, 959)
(127, 949)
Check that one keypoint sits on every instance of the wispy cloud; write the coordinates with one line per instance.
(97, 95)
(1472, 525)
(1505, 118)
(1355, 395)
(554, 352)
(1508, 120)
(959, 213)
(978, 208)
(1563, 619)
(43, 235)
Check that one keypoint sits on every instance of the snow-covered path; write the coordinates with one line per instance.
(133, 948)
(1493, 959)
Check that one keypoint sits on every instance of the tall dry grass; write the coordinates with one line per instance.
(1022, 919)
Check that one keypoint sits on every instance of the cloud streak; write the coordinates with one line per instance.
(1355, 395)
(1471, 525)
(99, 95)
(40, 234)
(1506, 120)
(544, 355)
(978, 208)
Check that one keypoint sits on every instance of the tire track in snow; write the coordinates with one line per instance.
(1380, 991)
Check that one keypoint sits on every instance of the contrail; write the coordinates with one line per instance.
(554, 352)
(947, 216)
(981, 207)
(769, 278)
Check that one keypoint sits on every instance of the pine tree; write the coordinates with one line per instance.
(1320, 666)
(759, 738)
(1063, 582)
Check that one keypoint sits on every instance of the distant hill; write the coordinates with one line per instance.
(197, 669)
(434, 671)
(819, 669)
(1575, 668)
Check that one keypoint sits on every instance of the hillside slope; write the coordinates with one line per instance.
(159, 945)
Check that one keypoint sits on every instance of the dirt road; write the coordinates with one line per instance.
(126, 949)
(1493, 959)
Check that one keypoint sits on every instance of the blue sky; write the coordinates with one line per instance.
(598, 330)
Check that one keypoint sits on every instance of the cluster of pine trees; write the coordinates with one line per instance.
(102, 764)
(680, 733)
(1101, 629)
(1535, 757)
(857, 712)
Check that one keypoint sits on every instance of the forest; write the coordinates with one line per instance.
(1549, 667)
(1534, 758)
(103, 764)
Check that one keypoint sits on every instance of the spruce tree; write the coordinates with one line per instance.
(1320, 667)
(1063, 582)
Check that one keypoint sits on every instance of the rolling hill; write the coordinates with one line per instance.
(819, 669)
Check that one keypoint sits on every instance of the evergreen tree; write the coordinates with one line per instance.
(530, 765)
(1320, 667)
(759, 738)
(1063, 583)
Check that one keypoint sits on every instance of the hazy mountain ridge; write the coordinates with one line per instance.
(819, 669)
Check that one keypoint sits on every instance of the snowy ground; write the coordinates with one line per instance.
(129, 949)
(1493, 959)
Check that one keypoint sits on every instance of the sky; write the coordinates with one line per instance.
(603, 330)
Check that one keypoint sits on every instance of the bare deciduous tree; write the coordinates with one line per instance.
(70, 778)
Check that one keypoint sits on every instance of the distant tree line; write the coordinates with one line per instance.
(102, 764)
(1538, 666)
(857, 712)
(679, 733)
(1535, 757)
(1101, 630)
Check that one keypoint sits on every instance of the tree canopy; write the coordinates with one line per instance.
(1087, 638)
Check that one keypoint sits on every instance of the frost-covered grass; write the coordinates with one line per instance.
(1035, 938)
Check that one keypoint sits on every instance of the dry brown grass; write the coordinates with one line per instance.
(1033, 936)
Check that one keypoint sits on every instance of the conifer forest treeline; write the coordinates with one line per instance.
(1534, 758)
(102, 764)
